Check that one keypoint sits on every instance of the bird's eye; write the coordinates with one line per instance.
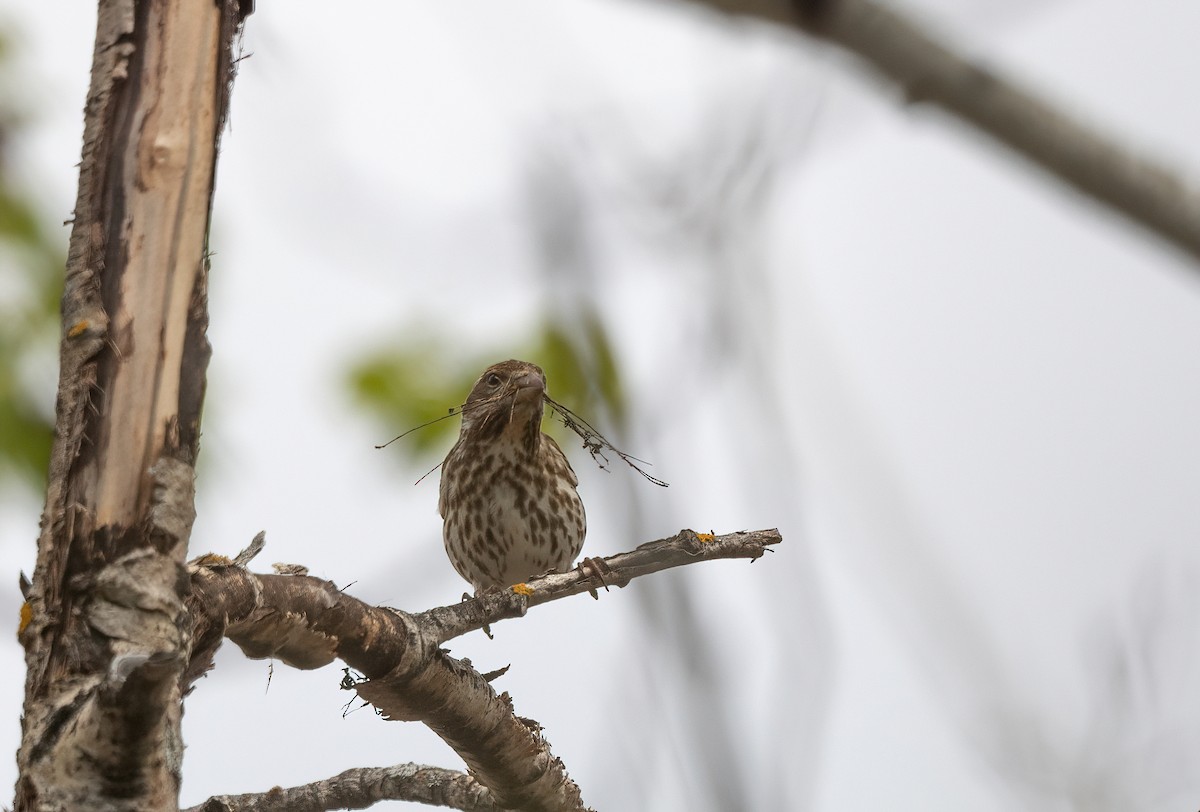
(493, 380)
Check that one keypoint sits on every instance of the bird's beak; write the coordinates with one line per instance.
(530, 386)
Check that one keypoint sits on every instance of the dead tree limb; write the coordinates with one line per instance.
(930, 70)
(104, 627)
(307, 623)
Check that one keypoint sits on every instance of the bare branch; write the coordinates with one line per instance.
(307, 622)
(686, 547)
(929, 69)
(362, 787)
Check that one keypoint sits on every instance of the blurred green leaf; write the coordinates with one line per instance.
(25, 449)
(31, 269)
(409, 383)
(580, 369)
(16, 218)
(406, 385)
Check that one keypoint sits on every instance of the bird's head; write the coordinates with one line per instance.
(507, 401)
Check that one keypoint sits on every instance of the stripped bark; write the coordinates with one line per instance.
(105, 632)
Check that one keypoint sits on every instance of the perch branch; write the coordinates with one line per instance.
(362, 787)
(307, 622)
(685, 547)
(928, 69)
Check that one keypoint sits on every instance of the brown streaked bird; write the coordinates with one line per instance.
(507, 496)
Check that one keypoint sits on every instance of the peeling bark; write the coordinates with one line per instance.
(107, 636)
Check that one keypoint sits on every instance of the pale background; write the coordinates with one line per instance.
(967, 397)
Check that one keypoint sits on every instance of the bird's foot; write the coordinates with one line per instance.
(596, 569)
(467, 596)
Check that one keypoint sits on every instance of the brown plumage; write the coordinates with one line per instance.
(508, 493)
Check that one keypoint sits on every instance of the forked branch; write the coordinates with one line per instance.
(307, 622)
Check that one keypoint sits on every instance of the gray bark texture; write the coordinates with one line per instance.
(105, 628)
(363, 787)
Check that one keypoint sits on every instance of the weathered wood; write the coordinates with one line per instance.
(307, 622)
(106, 631)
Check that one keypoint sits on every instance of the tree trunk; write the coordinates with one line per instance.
(104, 627)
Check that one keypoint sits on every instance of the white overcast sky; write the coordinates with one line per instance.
(992, 385)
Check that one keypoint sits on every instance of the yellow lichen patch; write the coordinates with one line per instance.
(705, 536)
(26, 618)
(212, 560)
(523, 589)
(79, 328)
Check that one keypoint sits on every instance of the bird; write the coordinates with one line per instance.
(508, 496)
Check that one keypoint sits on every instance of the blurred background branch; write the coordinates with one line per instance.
(930, 69)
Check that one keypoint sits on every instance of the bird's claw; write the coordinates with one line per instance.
(467, 596)
(596, 569)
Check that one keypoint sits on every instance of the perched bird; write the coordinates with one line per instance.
(507, 496)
